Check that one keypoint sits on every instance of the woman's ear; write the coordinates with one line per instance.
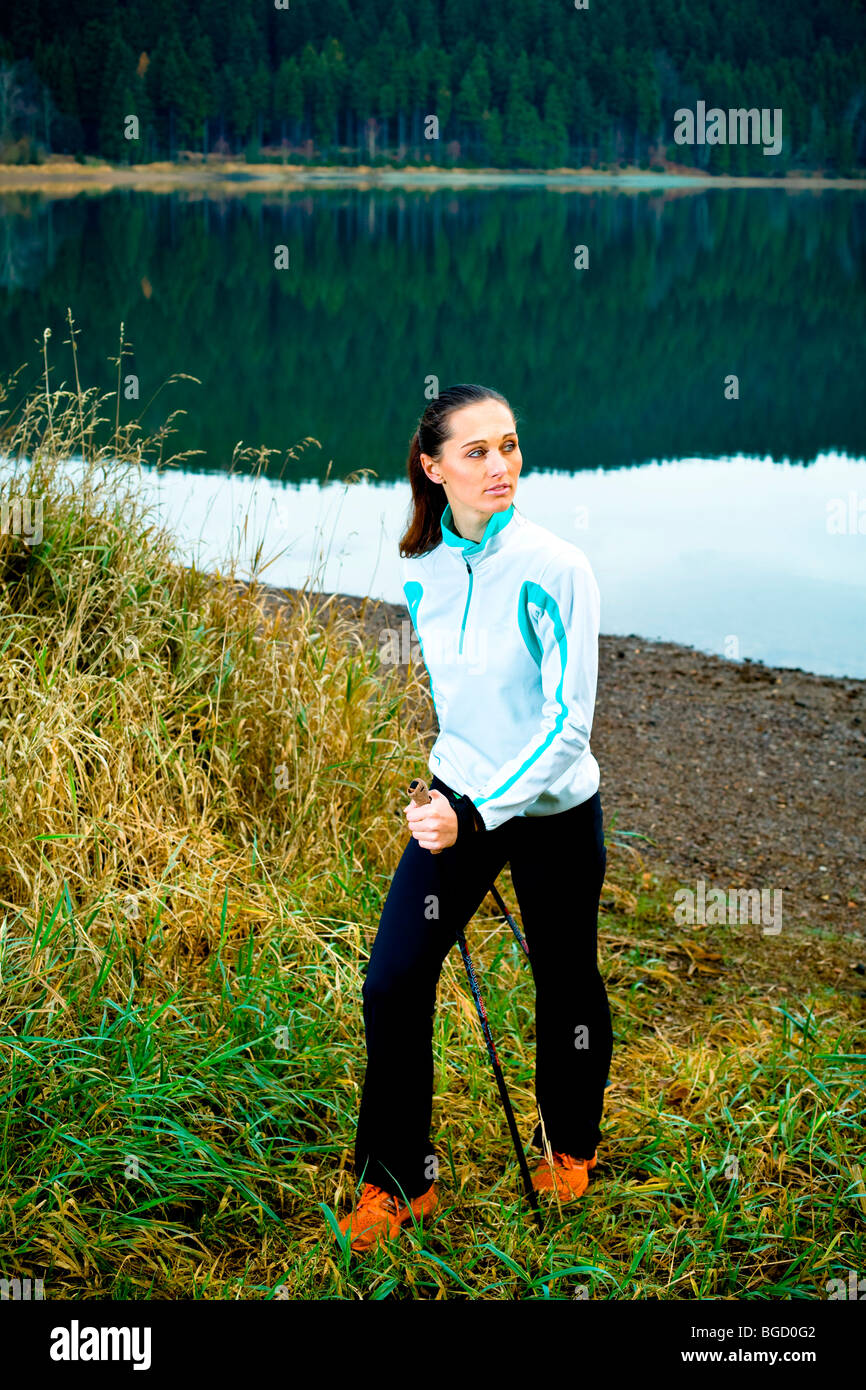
(430, 468)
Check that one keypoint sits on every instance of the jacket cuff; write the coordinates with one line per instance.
(468, 816)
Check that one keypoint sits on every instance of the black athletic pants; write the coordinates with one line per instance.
(557, 865)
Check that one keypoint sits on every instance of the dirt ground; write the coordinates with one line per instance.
(743, 775)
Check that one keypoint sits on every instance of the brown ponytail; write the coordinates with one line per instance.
(424, 531)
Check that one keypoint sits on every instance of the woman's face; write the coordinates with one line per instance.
(480, 461)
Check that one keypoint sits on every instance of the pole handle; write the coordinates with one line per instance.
(417, 790)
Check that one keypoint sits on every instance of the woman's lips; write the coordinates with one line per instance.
(500, 487)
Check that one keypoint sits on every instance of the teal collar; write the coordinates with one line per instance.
(496, 523)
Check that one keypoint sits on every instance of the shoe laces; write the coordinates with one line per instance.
(569, 1160)
(377, 1196)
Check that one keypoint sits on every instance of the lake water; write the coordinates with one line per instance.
(734, 525)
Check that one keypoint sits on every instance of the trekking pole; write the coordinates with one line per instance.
(419, 794)
(508, 917)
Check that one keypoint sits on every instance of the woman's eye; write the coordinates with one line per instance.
(510, 444)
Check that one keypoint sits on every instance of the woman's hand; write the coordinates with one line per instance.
(435, 825)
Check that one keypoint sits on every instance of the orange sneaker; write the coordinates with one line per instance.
(568, 1175)
(379, 1215)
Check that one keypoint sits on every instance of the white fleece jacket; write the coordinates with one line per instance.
(508, 628)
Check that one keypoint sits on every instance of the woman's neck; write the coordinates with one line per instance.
(469, 524)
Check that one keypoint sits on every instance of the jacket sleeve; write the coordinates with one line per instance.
(469, 818)
(559, 618)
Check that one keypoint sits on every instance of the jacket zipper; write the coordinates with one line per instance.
(466, 609)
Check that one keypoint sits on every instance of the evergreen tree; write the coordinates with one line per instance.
(554, 140)
(204, 105)
(288, 100)
(118, 100)
(473, 99)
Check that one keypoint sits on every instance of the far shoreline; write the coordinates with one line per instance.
(60, 176)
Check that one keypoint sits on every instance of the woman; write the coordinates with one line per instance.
(506, 615)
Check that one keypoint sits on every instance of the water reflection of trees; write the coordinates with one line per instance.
(621, 362)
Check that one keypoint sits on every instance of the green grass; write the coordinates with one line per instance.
(199, 806)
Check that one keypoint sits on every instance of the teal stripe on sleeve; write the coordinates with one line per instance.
(414, 592)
